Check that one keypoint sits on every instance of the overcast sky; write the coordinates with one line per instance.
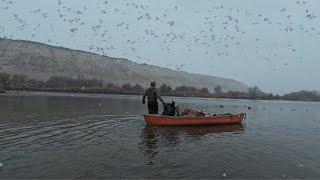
(270, 43)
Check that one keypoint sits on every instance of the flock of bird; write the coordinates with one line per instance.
(222, 28)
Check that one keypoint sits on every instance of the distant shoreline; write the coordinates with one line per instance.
(20, 82)
(140, 94)
(2, 91)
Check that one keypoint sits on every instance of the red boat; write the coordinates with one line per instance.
(160, 120)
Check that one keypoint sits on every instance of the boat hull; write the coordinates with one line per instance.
(159, 120)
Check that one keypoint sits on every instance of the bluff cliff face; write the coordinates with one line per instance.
(41, 61)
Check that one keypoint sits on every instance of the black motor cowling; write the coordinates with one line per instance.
(169, 109)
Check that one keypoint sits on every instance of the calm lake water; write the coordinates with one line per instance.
(52, 135)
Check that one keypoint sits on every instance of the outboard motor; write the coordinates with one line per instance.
(169, 109)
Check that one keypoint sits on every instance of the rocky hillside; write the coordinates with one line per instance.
(42, 61)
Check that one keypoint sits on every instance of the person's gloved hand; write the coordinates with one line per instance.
(143, 101)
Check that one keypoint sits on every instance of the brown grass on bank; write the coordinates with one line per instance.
(2, 90)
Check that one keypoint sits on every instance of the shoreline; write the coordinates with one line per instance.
(140, 94)
(2, 91)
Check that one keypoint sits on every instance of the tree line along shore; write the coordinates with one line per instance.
(19, 82)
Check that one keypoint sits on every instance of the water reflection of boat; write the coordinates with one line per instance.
(153, 137)
(193, 130)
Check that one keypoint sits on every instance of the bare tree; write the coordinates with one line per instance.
(164, 88)
(218, 89)
(254, 92)
(204, 91)
(4, 80)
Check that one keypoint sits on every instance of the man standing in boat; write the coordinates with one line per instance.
(153, 97)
